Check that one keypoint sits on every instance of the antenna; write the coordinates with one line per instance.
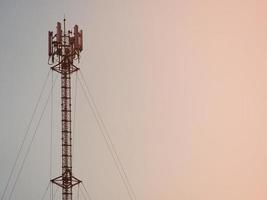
(81, 40)
(50, 38)
(59, 33)
(66, 53)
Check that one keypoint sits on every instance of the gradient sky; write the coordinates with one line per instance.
(181, 86)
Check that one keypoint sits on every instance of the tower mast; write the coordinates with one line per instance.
(63, 49)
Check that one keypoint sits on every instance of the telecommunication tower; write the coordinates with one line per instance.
(64, 50)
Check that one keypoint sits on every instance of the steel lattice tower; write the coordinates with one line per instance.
(63, 49)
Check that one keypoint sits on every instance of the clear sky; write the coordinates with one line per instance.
(181, 86)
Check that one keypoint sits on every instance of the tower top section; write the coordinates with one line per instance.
(64, 46)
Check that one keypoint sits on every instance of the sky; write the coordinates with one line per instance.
(181, 86)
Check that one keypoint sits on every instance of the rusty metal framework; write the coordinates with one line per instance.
(63, 50)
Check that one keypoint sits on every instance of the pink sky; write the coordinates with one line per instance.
(181, 85)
